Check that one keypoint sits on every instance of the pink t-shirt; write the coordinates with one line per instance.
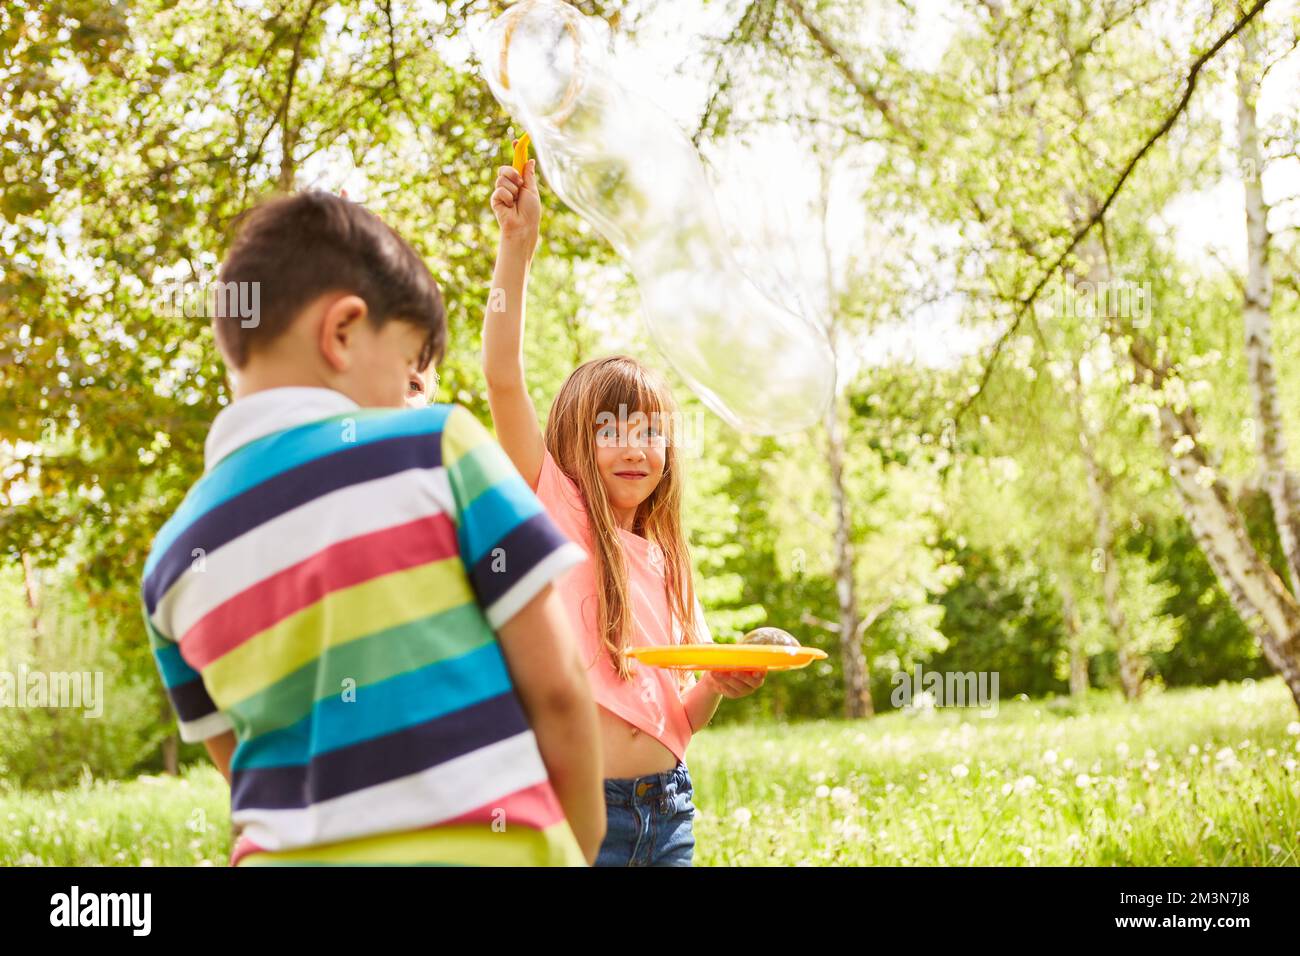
(650, 701)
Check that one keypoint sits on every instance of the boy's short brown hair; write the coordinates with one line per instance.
(302, 246)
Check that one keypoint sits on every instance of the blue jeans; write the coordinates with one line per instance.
(649, 820)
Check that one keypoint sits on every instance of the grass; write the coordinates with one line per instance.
(1193, 777)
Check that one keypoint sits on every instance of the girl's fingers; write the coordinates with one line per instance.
(510, 173)
(503, 197)
(734, 684)
(503, 183)
(739, 683)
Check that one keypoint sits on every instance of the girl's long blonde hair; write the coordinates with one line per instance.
(602, 386)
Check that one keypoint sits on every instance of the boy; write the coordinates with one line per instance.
(352, 608)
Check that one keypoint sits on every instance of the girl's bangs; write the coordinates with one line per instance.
(634, 390)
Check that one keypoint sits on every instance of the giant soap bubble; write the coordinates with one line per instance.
(624, 166)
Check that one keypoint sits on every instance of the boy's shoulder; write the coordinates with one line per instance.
(248, 454)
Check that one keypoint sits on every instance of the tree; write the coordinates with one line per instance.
(1025, 242)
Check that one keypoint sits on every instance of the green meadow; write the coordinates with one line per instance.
(1188, 777)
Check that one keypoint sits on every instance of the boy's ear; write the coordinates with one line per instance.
(343, 320)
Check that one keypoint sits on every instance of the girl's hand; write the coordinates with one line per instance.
(517, 204)
(734, 684)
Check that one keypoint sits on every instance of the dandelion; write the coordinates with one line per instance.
(843, 796)
(1121, 750)
(1293, 728)
(822, 792)
(960, 771)
(742, 816)
(1083, 781)
(1139, 809)
(1226, 760)
(1049, 758)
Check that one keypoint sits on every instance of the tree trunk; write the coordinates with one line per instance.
(857, 679)
(171, 755)
(1074, 640)
(857, 687)
(1131, 667)
(31, 591)
(1261, 599)
(1270, 442)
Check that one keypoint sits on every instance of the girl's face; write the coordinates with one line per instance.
(420, 387)
(630, 456)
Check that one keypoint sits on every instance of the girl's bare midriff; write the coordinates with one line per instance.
(629, 752)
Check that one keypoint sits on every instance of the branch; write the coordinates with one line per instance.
(1100, 212)
(872, 616)
(813, 620)
(841, 63)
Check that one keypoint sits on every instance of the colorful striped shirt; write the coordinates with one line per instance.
(330, 590)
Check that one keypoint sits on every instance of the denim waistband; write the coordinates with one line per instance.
(622, 791)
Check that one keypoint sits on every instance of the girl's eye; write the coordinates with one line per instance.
(416, 386)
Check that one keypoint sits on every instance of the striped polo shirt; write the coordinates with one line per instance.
(330, 590)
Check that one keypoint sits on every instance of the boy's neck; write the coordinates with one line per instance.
(261, 378)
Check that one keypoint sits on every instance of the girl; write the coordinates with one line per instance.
(610, 476)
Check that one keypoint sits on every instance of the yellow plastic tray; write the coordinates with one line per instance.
(727, 657)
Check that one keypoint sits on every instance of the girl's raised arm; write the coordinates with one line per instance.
(517, 206)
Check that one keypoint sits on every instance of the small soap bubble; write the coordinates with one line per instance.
(623, 165)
